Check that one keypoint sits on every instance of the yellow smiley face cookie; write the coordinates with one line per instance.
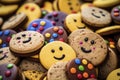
(54, 52)
(32, 10)
(73, 22)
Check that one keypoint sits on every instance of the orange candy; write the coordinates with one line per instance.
(73, 70)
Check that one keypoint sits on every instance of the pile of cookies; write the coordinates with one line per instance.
(59, 39)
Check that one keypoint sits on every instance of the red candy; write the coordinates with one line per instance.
(55, 14)
(79, 76)
(60, 32)
(35, 25)
(41, 28)
(8, 73)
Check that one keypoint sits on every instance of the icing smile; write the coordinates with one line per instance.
(60, 58)
(80, 27)
(84, 50)
(95, 15)
(26, 41)
(2, 55)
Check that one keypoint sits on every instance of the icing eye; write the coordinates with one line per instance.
(92, 42)
(86, 39)
(103, 14)
(32, 9)
(18, 38)
(52, 50)
(71, 8)
(60, 48)
(26, 7)
(100, 11)
(75, 20)
(93, 10)
(69, 3)
(23, 35)
(118, 74)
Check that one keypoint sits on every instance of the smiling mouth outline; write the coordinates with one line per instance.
(82, 27)
(26, 41)
(95, 15)
(84, 50)
(4, 55)
(60, 57)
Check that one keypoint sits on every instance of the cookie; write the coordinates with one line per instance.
(26, 43)
(7, 9)
(39, 25)
(70, 6)
(7, 57)
(56, 33)
(80, 69)
(1, 20)
(5, 37)
(89, 45)
(10, 72)
(57, 51)
(32, 11)
(32, 74)
(57, 18)
(10, 1)
(14, 21)
(115, 14)
(73, 22)
(30, 65)
(57, 71)
(114, 75)
(108, 30)
(39, 2)
(96, 17)
(108, 65)
(105, 3)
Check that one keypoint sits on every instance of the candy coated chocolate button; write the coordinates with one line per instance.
(9, 66)
(55, 14)
(79, 76)
(8, 73)
(92, 76)
(8, 39)
(60, 32)
(85, 75)
(84, 61)
(47, 35)
(81, 68)
(0, 41)
(77, 61)
(32, 28)
(55, 29)
(35, 25)
(1, 32)
(42, 23)
(4, 45)
(90, 66)
(44, 13)
(55, 35)
(73, 70)
(41, 28)
(61, 39)
(51, 40)
(6, 32)
(116, 10)
(1, 78)
(116, 14)
(53, 22)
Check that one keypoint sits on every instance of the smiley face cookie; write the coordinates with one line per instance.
(96, 17)
(73, 22)
(57, 18)
(70, 6)
(26, 43)
(114, 75)
(32, 11)
(89, 45)
(39, 25)
(80, 69)
(56, 33)
(57, 51)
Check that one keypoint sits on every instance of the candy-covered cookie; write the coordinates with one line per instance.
(57, 18)
(96, 17)
(115, 14)
(57, 51)
(26, 43)
(14, 21)
(89, 45)
(57, 71)
(56, 33)
(7, 57)
(80, 69)
(5, 37)
(39, 25)
(32, 11)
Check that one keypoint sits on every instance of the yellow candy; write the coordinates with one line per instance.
(84, 61)
(42, 23)
(47, 35)
(112, 46)
(0, 41)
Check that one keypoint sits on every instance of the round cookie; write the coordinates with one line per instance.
(70, 6)
(115, 14)
(105, 3)
(108, 65)
(56, 17)
(89, 45)
(1, 20)
(96, 17)
(80, 69)
(26, 43)
(32, 11)
(57, 51)
(73, 22)
(5, 37)
(10, 72)
(56, 33)
(7, 57)
(57, 71)
(39, 25)
(114, 75)
(7, 9)
(30, 65)
(14, 21)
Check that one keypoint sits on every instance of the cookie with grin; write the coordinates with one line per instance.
(26, 43)
(54, 52)
(89, 45)
(96, 17)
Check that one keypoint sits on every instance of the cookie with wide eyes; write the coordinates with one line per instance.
(57, 51)
(91, 46)
(96, 17)
(26, 43)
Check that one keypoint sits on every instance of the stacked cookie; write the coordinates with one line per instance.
(59, 39)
